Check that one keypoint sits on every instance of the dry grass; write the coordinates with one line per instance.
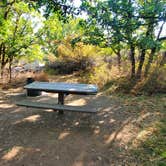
(43, 77)
(138, 119)
(20, 80)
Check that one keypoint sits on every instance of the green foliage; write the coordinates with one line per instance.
(128, 24)
(17, 34)
(63, 8)
(99, 75)
(114, 27)
(56, 32)
(93, 35)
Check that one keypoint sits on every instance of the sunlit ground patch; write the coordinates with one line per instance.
(6, 105)
(32, 118)
(12, 153)
(63, 135)
(79, 102)
(143, 135)
(18, 110)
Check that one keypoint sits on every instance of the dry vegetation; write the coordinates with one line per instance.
(128, 130)
(120, 47)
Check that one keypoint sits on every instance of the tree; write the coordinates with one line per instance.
(117, 21)
(56, 32)
(153, 13)
(63, 8)
(17, 34)
(130, 23)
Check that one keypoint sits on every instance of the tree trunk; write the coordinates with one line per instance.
(1, 52)
(2, 71)
(119, 60)
(141, 62)
(3, 60)
(150, 60)
(132, 59)
(163, 60)
(10, 69)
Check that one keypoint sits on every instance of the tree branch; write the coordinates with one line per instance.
(162, 38)
(161, 28)
(7, 4)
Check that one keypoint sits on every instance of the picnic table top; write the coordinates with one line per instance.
(63, 87)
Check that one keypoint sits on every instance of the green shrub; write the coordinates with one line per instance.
(98, 75)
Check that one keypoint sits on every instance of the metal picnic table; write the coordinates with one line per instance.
(62, 89)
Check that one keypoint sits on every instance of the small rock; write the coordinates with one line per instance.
(99, 158)
(93, 150)
(57, 157)
(77, 123)
(43, 154)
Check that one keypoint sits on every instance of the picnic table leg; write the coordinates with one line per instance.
(61, 101)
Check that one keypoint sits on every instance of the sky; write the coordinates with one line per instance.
(77, 3)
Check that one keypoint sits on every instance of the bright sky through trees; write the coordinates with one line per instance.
(77, 3)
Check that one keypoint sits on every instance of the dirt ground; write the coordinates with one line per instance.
(35, 137)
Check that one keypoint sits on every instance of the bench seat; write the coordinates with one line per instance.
(58, 107)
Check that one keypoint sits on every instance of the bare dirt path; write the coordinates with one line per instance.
(35, 137)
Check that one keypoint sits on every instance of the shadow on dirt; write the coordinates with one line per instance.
(33, 137)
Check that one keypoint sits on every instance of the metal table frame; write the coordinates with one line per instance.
(63, 89)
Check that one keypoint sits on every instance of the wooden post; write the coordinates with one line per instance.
(61, 101)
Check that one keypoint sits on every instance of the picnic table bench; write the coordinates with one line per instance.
(62, 89)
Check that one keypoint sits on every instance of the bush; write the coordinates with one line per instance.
(154, 83)
(43, 77)
(69, 66)
(98, 75)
